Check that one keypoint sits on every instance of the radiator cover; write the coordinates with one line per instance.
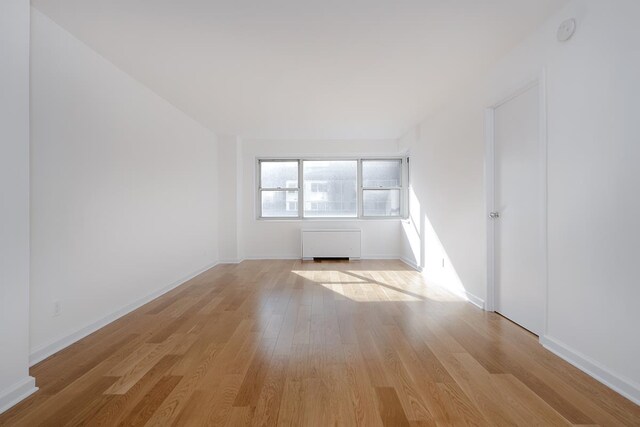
(341, 243)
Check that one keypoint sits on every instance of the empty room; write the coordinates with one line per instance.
(319, 213)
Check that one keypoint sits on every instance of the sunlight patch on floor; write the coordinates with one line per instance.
(368, 292)
(371, 286)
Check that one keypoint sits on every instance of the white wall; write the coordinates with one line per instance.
(228, 201)
(446, 235)
(15, 382)
(593, 94)
(281, 238)
(123, 190)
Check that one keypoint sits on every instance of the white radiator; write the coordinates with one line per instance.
(331, 243)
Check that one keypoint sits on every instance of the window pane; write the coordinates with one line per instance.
(381, 173)
(381, 202)
(279, 203)
(279, 174)
(330, 188)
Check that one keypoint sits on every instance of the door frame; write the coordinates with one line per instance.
(540, 81)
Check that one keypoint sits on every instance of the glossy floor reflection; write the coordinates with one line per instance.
(300, 343)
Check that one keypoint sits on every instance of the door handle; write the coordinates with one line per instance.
(494, 215)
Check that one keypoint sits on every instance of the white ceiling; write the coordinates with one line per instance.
(302, 68)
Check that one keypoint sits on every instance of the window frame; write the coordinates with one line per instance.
(400, 189)
(262, 189)
(403, 159)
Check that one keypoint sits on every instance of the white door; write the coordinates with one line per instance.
(519, 275)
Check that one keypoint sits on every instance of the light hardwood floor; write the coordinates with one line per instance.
(290, 343)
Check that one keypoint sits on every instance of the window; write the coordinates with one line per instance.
(319, 187)
(279, 188)
(381, 188)
(331, 188)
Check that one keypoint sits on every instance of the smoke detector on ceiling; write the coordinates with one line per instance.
(566, 30)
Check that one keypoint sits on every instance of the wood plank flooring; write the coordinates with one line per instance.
(364, 343)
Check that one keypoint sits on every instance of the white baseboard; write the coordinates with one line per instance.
(17, 392)
(381, 257)
(47, 350)
(231, 261)
(463, 293)
(271, 257)
(473, 299)
(411, 263)
(624, 386)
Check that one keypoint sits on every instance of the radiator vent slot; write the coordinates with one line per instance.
(330, 259)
